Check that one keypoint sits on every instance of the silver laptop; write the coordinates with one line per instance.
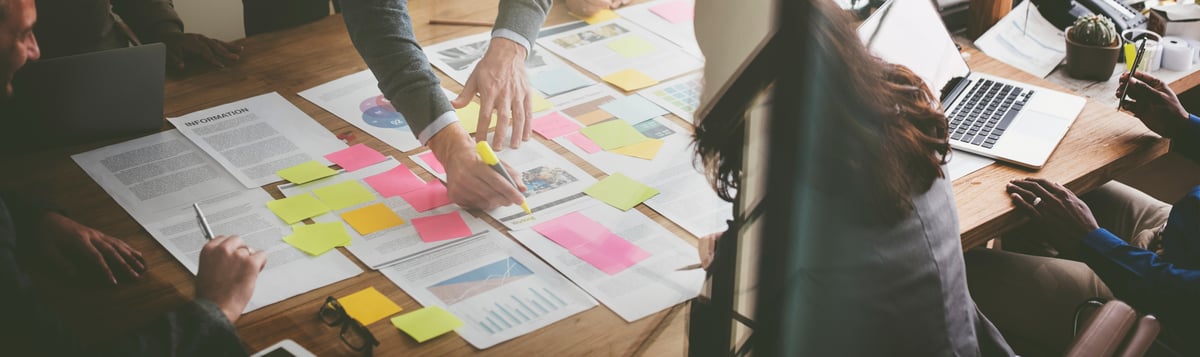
(988, 115)
(92, 95)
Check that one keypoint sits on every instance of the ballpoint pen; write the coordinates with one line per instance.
(690, 267)
(1137, 60)
(489, 158)
(208, 233)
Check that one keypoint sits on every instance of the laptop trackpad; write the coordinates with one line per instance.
(1040, 127)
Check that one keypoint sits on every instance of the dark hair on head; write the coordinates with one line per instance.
(886, 136)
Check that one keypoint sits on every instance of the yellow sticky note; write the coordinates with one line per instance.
(631, 46)
(344, 195)
(373, 218)
(368, 306)
(594, 117)
(630, 80)
(427, 323)
(305, 172)
(613, 134)
(645, 150)
(316, 239)
(540, 103)
(602, 16)
(297, 208)
(468, 117)
(620, 191)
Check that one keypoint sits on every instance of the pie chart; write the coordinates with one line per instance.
(378, 112)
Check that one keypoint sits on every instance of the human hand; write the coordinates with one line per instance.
(180, 46)
(708, 248)
(587, 8)
(469, 182)
(503, 87)
(1156, 104)
(64, 241)
(1055, 207)
(228, 270)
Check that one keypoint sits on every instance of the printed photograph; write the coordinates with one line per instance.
(542, 179)
(590, 36)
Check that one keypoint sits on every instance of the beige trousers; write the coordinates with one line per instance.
(1031, 296)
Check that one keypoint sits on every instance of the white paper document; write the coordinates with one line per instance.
(686, 198)
(1025, 40)
(389, 245)
(681, 96)
(255, 137)
(554, 186)
(457, 58)
(676, 140)
(357, 100)
(617, 45)
(499, 290)
(964, 163)
(649, 286)
(682, 33)
(157, 178)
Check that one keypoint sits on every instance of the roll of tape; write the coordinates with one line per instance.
(1177, 55)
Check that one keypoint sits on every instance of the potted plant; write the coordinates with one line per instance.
(1092, 48)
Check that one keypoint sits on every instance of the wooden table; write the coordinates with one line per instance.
(1102, 144)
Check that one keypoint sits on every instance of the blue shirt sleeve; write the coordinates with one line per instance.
(1149, 271)
(1187, 142)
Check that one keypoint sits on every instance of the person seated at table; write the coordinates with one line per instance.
(68, 27)
(32, 233)
(1136, 248)
(382, 31)
(587, 8)
(883, 273)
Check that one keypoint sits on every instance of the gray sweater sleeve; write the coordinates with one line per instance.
(382, 32)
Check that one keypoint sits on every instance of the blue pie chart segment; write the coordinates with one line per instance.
(378, 112)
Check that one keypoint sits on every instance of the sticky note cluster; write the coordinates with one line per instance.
(620, 191)
(368, 306)
(306, 172)
(592, 242)
(297, 208)
(441, 227)
(316, 239)
(373, 218)
(427, 323)
(356, 157)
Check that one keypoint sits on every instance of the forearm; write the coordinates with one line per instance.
(151, 20)
(383, 34)
(1109, 255)
(523, 18)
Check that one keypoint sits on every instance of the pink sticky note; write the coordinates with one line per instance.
(572, 230)
(441, 227)
(392, 183)
(356, 157)
(554, 125)
(433, 195)
(612, 254)
(676, 11)
(433, 162)
(587, 145)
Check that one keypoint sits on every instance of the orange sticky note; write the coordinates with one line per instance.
(644, 150)
(594, 117)
(368, 306)
(373, 218)
(602, 16)
(630, 80)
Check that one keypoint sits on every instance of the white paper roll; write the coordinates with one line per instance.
(1177, 55)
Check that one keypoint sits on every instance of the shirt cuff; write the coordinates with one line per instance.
(437, 125)
(1101, 240)
(514, 37)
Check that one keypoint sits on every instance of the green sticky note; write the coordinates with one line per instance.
(427, 323)
(297, 208)
(620, 191)
(316, 239)
(613, 134)
(305, 172)
(344, 195)
(632, 46)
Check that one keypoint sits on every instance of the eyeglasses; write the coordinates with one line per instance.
(354, 334)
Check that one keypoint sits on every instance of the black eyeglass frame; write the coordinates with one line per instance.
(340, 317)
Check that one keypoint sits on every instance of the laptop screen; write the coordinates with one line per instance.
(911, 33)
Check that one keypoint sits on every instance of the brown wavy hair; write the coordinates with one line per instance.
(886, 136)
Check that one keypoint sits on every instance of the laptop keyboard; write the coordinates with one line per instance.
(986, 112)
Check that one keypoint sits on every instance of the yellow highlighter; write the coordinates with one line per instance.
(489, 158)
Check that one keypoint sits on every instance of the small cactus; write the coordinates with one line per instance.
(1094, 30)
